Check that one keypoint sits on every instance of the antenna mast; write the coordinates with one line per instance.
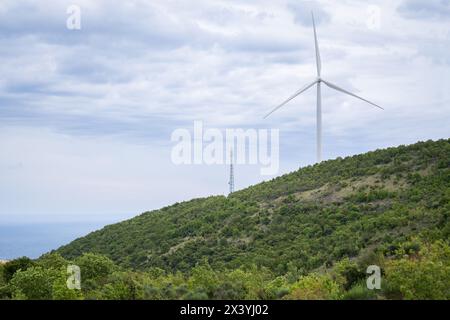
(231, 182)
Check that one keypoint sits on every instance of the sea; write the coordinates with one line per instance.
(32, 239)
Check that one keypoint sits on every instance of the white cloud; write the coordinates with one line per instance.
(137, 70)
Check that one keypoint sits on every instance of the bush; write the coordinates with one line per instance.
(359, 292)
(94, 269)
(314, 287)
(347, 273)
(276, 289)
(34, 283)
(52, 261)
(122, 286)
(426, 276)
(60, 291)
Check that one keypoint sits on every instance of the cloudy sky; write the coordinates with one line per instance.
(86, 115)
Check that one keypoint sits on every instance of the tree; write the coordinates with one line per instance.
(122, 286)
(4, 288)
(2, 279)
(11, 267)
(60, 291)
(347, 273)
(34, 283)
(205, 278)
(425, 276)
(52, 261)
(95, 270)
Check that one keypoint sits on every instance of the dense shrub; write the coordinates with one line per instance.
(422, 276)
(314, 287)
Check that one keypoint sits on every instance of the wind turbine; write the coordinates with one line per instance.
(318, 82)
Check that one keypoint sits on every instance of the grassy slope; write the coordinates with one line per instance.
(303, 220)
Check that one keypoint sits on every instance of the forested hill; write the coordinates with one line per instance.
(303, 221)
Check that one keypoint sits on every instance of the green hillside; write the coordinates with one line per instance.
(303, 221)
(310, 234)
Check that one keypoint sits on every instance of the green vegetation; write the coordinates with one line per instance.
(309, 234)
(425, 275)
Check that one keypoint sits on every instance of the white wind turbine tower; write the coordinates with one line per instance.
(318, 82)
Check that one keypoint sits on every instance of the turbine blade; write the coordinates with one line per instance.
(335, 87)
(291, 97)
(316, 43)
